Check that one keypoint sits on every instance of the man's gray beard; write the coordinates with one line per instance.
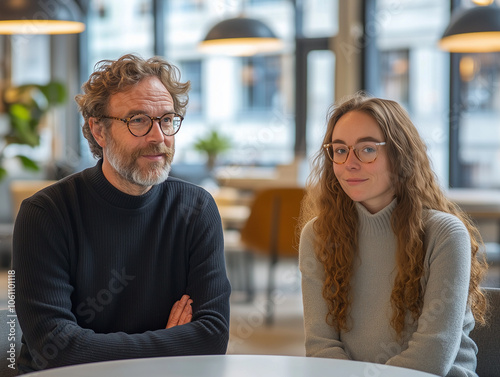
(133, 174)
(151, 177)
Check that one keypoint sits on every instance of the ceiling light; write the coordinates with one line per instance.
(240, 36)
(482, 2)
(473, 30)
(40, 17)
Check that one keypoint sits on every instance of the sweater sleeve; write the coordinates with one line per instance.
(435, 344)
(321, 339)
(52, 334)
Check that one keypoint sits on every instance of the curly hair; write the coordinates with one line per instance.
(416, 189)
(114, 76)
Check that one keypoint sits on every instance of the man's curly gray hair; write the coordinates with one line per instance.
(114, 76)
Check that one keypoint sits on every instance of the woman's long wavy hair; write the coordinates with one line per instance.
(114, 76)
(416, 189)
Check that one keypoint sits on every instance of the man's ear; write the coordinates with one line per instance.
(97, 130)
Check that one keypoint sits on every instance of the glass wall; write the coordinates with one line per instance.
(476, 110)
(320, 98)
(411, 69)
(25, 60)
(30, 65)
(319, 21)
(248, 99)
(115, 28)
(252, 100)
(407, 66)
(479, 126)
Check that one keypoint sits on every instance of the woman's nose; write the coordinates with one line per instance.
(352, 160)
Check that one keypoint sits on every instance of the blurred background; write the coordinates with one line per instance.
(255, 119)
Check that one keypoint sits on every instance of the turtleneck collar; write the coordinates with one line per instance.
(376, 223)
(110, 194)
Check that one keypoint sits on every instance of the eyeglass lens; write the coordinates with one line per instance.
(139, 125)
(365, 152)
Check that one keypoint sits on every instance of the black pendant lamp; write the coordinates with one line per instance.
(40, 17)
(240, 36)
(473, 30)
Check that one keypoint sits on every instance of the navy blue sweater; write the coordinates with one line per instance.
(97, 272)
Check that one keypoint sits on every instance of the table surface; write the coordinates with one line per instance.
(479, 204)
(475, 198)
(231, 366)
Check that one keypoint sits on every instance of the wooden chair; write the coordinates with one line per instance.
(271, 229)
(487, 338)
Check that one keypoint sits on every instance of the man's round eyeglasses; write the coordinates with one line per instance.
(140, 124)
(366, 152)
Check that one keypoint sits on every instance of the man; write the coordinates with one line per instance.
(121, 261)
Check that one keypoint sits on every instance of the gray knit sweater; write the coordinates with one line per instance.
(439, 343)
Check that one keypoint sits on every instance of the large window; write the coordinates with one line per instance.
(260, 78)
(29, 66)
(405, 64)
(459, 127)
(191, 71)
(320, 97)
(395, 75)
(185, 5)
(115, 29)
(479, 131)
(248, 99)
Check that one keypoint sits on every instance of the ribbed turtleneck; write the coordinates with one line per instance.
(103, 189)
(104, 269)
(376, 223)
(441, 345)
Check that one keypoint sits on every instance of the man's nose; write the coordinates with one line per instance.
(156, 134)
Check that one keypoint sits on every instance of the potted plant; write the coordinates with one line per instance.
(212, 145)
(25, 107)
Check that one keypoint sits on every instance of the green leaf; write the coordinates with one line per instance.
(20, 111)
(3, 173)
(23, 125)
(23, 132)
(29, 95)
(213, 143)
(28, 163)
(26, 105)
(55, 92)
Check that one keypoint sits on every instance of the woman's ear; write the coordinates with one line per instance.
(97, 130)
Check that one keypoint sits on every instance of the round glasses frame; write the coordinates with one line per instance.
(328, 148)
(158, 119)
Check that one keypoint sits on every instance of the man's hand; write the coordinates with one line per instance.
(181, 312)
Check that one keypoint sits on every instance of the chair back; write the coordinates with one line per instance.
(272, 224)
(10, 343)
(487, 338)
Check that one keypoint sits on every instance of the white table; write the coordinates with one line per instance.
(233, 216)
(231, 366)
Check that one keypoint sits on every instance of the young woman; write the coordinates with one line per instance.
(390, 267)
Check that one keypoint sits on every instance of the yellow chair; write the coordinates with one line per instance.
(271, 229)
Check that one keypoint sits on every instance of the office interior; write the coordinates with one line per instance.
(272, 110)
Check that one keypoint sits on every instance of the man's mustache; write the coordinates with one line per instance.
(155, 150)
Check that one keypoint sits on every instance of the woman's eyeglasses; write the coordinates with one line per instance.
(366, 152)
